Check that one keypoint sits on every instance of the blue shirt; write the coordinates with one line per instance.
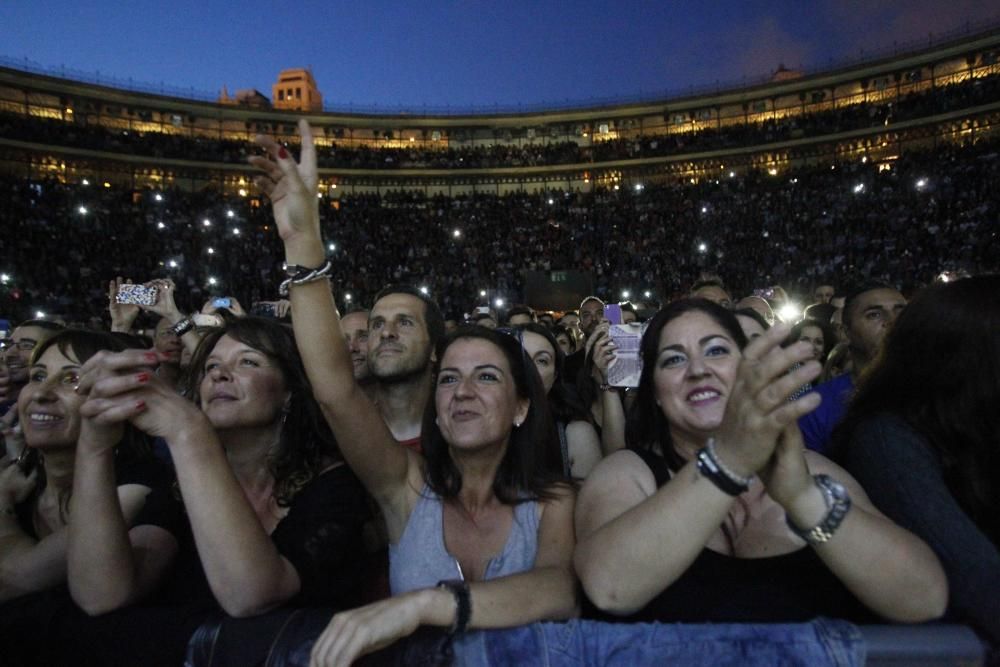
(818, 425)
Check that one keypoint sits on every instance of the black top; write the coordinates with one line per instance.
(792, 587)
(905, 478)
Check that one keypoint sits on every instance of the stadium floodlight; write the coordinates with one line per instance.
(206, 222)
(424, 290)
(859, 188)
(39, 314)
(82, 210)
(498, 303)
(172, 264)
(230, 213)
(332, 247)
(211, 250)
(702, 247)
(158, 197)
(212, 280)
(790, 312)
(160, 225)
(457, 233)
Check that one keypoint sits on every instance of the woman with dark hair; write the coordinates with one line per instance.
(818, 334)
(40, 503)
(565, 339)
(921, 434)
(480, 530)
(35, 490)
(716, 513)
(276, 516)
(579, 444)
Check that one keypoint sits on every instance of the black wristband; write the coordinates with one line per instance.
(463, 604)
(710, 467)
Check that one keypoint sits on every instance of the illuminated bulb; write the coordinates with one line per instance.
(39, 314)
(173, 264)
(424, 290)
(158, 197)
(499, 303)
(160, 225)
(82, 210)
(482, 292)
(647, 294)
(457, 233)
(236, 231)
(206, 222)
(625, 293)
(4, 278)
(243, 193)
(230, 214)
(212, 281)
(702, 247)
(347, 297)
(85, 182)
(211, 251)
(332, 247)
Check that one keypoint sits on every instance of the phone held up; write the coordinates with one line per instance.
(139, 295)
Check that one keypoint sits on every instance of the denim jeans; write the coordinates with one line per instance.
(815, 644)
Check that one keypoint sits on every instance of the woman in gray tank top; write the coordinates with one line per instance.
(481, 531)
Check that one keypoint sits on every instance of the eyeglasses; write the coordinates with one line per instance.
(25, 344)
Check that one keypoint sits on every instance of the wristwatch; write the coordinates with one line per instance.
(838, 504)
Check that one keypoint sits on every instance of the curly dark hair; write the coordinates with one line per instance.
(306, 445)
(526, 471)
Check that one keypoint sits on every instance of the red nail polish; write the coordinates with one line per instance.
(142, 377)
(140, 406)
(282, 153)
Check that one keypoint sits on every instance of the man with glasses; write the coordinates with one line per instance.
(17, 355)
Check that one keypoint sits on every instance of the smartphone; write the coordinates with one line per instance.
(264, 309)
(222, 302)
(139, 295)
(613, 313)
(766, 293)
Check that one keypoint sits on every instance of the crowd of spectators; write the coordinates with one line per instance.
(932, 211)
(967, 94)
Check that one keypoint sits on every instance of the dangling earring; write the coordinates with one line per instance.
(284, 412)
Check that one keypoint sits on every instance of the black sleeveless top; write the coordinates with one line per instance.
(792, 587)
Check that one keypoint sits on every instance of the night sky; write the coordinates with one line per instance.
(465, 54)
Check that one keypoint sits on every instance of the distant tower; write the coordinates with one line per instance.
(296, 90)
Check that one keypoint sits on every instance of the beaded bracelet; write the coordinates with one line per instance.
(300, 275)
(711, 467)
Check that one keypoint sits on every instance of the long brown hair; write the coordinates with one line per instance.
(938, 370)
(306, 445)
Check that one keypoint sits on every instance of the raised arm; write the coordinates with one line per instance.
(246, 572)
(110, 565)
(546, 592)
(365, 441)
(636, 539)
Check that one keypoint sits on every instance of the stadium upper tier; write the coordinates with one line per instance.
(58, 127)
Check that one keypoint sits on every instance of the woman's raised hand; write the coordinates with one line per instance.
(291, 186)
(122, 386)
(165, 305)
(758, 410)
(786, 475)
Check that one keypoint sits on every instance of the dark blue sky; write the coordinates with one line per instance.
(470, 53)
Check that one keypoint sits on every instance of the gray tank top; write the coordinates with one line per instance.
(420, 559)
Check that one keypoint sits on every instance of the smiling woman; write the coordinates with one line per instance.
(481, 532)
(716, 513)
(35, 499)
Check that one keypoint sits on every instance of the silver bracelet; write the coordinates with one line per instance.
(838, 504)
(723, 468)
(300, 275)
